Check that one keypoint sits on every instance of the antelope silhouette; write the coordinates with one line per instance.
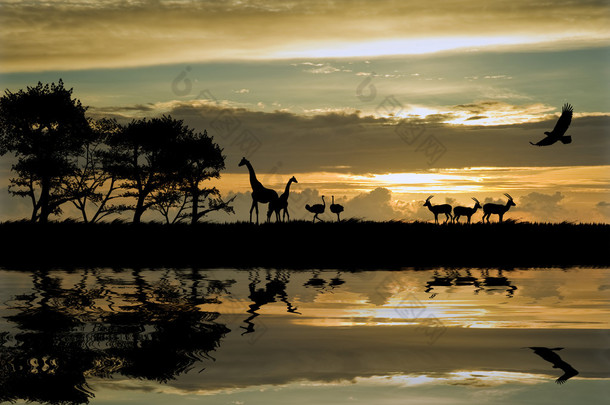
(498, 209)
(438, 209)
(466, 211)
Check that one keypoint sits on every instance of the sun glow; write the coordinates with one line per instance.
(405, 46)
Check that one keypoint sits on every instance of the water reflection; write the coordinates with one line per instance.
(275, 287)
(102, 326)
(552, 357)
(490, 283)
(65, 334)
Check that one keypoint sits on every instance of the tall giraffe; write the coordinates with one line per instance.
(281, 203)
(259, 192)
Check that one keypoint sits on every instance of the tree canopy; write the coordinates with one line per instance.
(103, 167)
(45, 129)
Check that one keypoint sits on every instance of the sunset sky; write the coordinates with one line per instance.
(379, 103)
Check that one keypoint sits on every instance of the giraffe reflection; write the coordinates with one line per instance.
(275, 287)
(104, 325)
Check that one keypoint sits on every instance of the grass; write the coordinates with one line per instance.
(300, 244)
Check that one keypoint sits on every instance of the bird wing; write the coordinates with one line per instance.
(568, 372)
(564, 121)
(549, 140)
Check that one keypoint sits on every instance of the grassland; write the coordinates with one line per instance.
(350, 244)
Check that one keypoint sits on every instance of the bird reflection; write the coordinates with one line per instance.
(557, 362)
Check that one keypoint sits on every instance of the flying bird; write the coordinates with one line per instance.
(557, 362)
(558, 133)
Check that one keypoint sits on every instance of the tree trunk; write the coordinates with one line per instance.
(195, 208)
(137, 215)
(45, 185)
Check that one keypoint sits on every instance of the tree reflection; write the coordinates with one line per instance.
(104, 325)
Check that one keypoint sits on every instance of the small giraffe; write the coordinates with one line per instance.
(281, 203)
(260, 194)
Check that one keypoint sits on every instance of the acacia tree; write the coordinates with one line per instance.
(200, 159)
(140, 159)
(161, 163)
(93, 184)
(45, 129)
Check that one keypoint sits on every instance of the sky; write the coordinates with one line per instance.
(378, 103)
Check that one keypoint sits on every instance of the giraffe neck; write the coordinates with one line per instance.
(287, 190)
(253, 180)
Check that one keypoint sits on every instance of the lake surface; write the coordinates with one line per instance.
(269, 336)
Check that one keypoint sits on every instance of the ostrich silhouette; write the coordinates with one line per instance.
(336, 209)
(316, 209)
(259, 192)
(281, 203)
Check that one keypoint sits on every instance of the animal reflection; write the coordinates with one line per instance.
(321, 284)
(275, 287)
(454, 278)
(557, 362)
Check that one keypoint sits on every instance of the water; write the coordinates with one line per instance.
(227, 336)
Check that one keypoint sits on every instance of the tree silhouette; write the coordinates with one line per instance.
(161, 163)
(46, 129)
(92, 175)
(198, 159)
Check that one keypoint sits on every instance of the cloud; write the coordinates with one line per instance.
(375, 205)
(61, 35)
(603, 207)
(544, 207)
(365, 144)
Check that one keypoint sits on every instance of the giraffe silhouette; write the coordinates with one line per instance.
(281, 203)
(260, 194)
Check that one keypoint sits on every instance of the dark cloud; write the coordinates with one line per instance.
(377, 145)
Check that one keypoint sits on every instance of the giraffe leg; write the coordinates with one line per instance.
(251, 208)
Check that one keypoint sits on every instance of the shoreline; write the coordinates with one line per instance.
(300, 244)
